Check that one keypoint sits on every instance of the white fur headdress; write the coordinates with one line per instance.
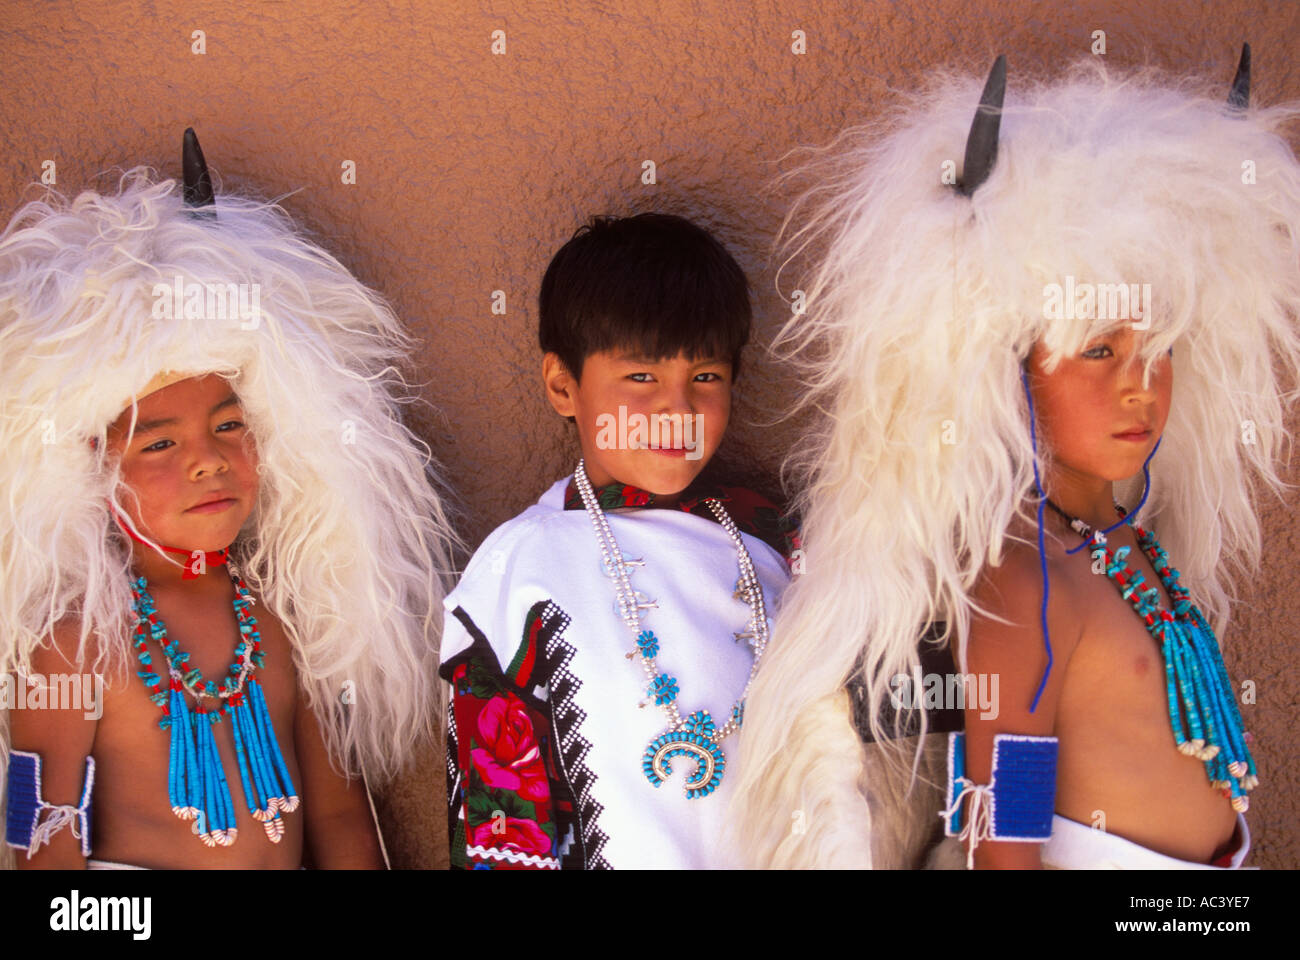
(348, 543)
(920, 312)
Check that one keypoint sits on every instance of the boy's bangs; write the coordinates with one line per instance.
(679, 313)
(687, 327)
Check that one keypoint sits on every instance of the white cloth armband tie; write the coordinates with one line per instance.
(1018, 802)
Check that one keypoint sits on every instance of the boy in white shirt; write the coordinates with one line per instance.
(608, 634)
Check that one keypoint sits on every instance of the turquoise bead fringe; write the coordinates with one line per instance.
(196, 778)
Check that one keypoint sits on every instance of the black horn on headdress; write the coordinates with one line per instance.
(982, 142)
(197, 184)
(1239, 95)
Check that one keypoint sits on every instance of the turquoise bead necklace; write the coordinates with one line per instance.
(196, 780)
(1203, 712)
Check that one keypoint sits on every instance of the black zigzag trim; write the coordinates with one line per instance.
(554, 655)
(454, 796)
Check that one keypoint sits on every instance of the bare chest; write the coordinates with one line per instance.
(1118, 664)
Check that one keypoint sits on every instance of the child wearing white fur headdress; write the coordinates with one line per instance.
(988, 398)
(214, 522)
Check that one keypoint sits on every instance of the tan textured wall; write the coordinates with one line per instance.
(473, 168)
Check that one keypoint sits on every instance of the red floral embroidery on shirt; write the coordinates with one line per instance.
(509, 757)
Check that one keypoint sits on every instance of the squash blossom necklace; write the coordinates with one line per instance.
(696, 737)
(196, 780)
(1196, 681)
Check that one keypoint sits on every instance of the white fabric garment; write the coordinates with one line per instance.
(110, 865)
(1076, 846)
(549, 553)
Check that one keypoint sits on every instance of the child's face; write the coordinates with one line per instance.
(190, 446)
(627, 406)
(1097, 416)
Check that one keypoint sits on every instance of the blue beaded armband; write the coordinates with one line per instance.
(25, 806)
(1020, 799)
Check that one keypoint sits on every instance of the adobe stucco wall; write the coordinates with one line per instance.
(472, 168)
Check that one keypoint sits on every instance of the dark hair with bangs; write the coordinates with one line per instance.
(653, 283)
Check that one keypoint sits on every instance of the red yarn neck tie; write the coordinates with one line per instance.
(211, 558)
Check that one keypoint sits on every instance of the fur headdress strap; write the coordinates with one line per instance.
(213, 558)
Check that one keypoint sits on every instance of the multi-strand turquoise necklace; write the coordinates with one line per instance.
(1202, 709)
(197, 785)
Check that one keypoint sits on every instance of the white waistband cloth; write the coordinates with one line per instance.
(110, 865)
(1074, 846)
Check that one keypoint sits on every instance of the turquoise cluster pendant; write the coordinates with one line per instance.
(694, 740)
(196, 780)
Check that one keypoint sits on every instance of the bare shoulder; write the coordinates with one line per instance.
(1007, 640)
(1009, 598)
(61, 650)
(57, 662)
